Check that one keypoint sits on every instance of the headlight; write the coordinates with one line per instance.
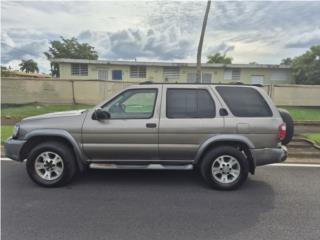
(15, 131)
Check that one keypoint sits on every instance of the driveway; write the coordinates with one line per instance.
(277, 203)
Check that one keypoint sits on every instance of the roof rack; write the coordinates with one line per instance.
(231, 83)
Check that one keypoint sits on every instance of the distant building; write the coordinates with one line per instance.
(8, 73)
(172, 72)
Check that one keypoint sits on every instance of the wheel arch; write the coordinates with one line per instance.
(240, 142)
(44, 135)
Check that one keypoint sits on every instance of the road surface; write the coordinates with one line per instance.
(279, 202)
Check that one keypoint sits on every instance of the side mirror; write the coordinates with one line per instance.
(99, 114)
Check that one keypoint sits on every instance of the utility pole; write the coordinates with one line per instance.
(203, 30)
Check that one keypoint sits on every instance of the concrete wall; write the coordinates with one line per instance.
(21, 90)
(155, 73)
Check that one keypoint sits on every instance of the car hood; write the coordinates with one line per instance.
(56, 115)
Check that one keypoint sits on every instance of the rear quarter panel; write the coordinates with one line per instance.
(261, 131)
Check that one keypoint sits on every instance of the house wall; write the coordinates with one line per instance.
(155, 73)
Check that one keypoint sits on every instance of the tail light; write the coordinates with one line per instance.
(282, 131)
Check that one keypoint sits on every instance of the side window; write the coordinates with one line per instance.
(132, 104)
(245, 101)
(189, 103)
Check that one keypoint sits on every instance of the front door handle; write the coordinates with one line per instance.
(151, 125)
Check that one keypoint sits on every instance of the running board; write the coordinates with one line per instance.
(140, 167)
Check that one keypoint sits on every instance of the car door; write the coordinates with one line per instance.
(131, 133)
(188, 117)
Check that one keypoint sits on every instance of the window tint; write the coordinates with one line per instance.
(244, 101)
(135, 103)
(189, 103)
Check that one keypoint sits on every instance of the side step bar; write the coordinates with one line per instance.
(141, 167)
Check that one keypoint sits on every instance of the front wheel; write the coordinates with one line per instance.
(51, 164)
(224, 168)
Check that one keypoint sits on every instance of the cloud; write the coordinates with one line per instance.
(305, 40)
(135, 43)
(162, 30)
(221, 48)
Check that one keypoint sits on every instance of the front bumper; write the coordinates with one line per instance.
(269, 155)
(12, 148)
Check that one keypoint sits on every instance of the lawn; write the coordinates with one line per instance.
(6, 131)
(313, 136)
(304, 113)
(22, 111)
(18, 112)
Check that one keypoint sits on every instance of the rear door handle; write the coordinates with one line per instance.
(151, 125)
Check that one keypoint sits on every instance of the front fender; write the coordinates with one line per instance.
(80, 157)
(222, 138)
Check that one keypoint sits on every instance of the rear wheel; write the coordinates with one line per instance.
(51, 164)
(224, 168)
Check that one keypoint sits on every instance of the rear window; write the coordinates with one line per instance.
(245, 102)
(189, 103)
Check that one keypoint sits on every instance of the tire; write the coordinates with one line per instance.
(51, 164)
(214, 160)
(289, 125)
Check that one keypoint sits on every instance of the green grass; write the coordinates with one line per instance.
(313, 136)
(6, 131)
(22, 111)
(304, 113)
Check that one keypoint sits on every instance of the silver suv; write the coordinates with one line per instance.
(224, 131)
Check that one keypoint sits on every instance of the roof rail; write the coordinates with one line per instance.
(186, 83)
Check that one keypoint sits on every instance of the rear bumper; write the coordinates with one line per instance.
(12, 148)
(269, 155)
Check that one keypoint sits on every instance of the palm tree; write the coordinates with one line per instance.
(29, 66)
(204, 25)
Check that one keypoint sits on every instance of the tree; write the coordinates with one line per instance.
(203, 30)
(28, 66)
(286, 61)
(219, 58)
(69, 48)
(306, 68)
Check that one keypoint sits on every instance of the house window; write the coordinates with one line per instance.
(257, 79)
(232, 74)
(138, 72)
(171, 73)
(79, 69)
(116, 75)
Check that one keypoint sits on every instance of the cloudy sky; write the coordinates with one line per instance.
(261, 31)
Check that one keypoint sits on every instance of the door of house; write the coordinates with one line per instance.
(206, 77)
(103, 74)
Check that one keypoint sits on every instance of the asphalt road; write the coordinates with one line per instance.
(276, 203)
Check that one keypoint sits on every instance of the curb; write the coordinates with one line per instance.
(313, 143)
(307, 123)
